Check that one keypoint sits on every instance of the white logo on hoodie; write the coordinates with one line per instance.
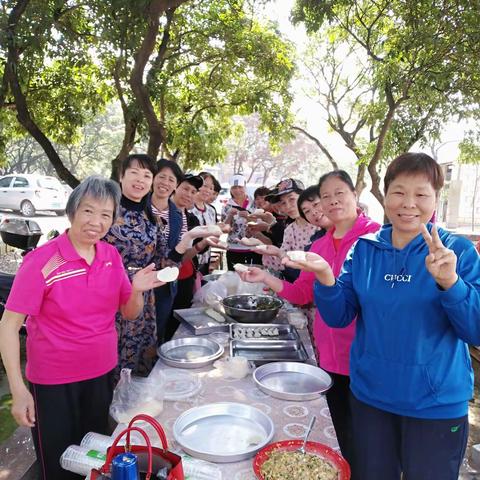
(397, 277)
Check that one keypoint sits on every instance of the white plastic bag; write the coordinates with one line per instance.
(136, 395)
(229, 283)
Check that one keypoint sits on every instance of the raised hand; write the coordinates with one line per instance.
(146, 279)
(253, 275)
(313, 263)
(216, 242)
(224, 227)
(258, 226)
(441, 262)
(268, 250)
(204, 231)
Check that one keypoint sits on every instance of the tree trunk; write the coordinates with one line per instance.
(130, 126)
(23, 114)
(375, 160)
(360, 183)
(156, 129)
(127, 145)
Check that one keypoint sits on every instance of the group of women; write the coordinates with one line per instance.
(92, 301)
(395, 306)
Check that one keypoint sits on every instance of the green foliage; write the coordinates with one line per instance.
(417, 66)
(470, 149)
(220, 63)
(59, 76)
(213, 60)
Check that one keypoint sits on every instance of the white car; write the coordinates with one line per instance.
(29, 193)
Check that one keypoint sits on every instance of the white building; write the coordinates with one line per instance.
(459, 206)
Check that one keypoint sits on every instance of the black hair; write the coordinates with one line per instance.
(206, 175)
(341, 175)
(173, 166)
(310, 194)
(415, 163)
(144, 160)
(216, 185)
(261, 192)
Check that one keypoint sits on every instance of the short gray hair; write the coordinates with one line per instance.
(98, 188)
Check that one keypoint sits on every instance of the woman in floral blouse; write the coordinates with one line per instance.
(135, 236)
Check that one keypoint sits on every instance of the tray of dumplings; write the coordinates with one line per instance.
(203, 320)
(263, 331)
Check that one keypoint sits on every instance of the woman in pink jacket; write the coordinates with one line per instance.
(339, 204)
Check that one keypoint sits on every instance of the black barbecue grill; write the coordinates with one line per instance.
(20, 233)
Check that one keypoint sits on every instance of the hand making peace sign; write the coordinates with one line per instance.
(441, 262)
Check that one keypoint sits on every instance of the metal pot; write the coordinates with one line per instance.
(248, 308)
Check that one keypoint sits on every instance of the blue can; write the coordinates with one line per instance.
(125, 467)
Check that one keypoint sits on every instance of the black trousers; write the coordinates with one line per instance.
(242, 257)
(183, 299)
(423, 449)
(64, 414)
(338, 400)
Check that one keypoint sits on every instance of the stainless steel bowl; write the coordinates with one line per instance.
(248, 308)
(292, 380)
(223, 432)
(190, 352)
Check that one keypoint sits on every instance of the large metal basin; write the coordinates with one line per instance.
(223, 432)
(248, 308)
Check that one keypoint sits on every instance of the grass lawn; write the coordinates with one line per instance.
(7, 423)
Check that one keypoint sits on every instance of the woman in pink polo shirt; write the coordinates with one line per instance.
(69, 290)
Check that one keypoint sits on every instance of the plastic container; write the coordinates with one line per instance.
(196, 469)
(97, 441)
(81, 460)
(180, 384)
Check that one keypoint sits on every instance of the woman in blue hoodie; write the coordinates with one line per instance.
(415, 291)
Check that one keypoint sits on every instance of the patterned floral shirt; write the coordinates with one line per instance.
(239, 224)
(296, 237)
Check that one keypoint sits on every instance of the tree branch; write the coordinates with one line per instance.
(319, 144)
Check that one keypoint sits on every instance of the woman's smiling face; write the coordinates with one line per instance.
(410, 201)
(164, 183)
(136, 181)
(338, 202)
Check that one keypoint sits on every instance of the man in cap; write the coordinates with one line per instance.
(235, 214)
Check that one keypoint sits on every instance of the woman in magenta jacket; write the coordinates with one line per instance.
(339, 204)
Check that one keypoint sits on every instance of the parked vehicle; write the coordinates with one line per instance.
(222, 198)
(29, 193)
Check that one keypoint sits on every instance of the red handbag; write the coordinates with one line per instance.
(150, 459)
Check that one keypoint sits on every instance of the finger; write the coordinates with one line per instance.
(444, 262)
(22, 418)
(31, 415)
(426, 236)
(313, 257)
(436, 238)
(442, 253)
